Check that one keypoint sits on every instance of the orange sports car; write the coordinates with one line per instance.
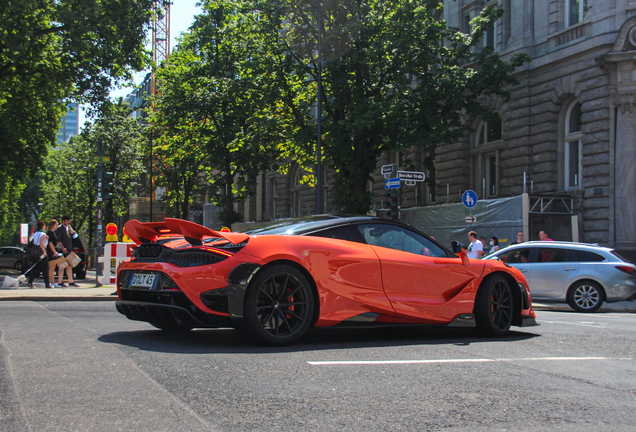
(274, 283)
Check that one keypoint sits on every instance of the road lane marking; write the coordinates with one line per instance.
(580, 324)
(441, 361)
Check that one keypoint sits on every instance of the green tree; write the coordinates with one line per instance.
(56, 50)
(394, 76)
(71, 186)
(220, 100)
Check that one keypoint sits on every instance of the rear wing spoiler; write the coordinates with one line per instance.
(147, 232)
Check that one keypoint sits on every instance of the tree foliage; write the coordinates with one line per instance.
(57, 50)
(71, 186)
(394, 75)
(222, 104)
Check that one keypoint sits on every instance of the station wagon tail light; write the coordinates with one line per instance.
(627, 269)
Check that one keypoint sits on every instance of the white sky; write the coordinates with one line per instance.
(182, 14)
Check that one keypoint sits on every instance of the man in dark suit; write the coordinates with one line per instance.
(65, 235)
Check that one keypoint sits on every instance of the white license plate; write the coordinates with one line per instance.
(142, 280)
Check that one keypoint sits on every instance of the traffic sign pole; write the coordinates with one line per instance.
(98, 237)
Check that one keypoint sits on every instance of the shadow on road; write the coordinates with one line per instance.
(227, 341)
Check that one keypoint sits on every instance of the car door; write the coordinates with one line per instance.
(552, 272)
(418, 277)
(520, 258)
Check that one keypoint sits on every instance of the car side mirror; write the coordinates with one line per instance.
(460, 250)
(457, 247)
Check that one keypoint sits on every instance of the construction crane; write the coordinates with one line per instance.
(160, 53)
(160, 37)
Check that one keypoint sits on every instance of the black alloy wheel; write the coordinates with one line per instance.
(494, 306)
(278, 306)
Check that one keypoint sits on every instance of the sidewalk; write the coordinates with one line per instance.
(624, 306)
(87, 291)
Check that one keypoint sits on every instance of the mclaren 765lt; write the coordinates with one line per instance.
(274, 283)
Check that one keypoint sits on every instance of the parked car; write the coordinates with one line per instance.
(583, 275)
(12, 257)
(275, 283)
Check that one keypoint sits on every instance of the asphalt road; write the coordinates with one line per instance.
(80, 366)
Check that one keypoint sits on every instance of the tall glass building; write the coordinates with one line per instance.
(70, 124)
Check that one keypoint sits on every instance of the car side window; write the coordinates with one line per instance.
(399, 238)
(517, 256)
(348, 232)
(551, 255)
(583, 256)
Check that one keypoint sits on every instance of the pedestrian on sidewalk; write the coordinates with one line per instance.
(65, 235)
(40, 242)
(476, 248)
(494, 244)
(519, 238)
(53, 250)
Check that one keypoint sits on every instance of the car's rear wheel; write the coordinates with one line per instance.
(494, 307)
(278, 306)
(172, 327)
(585, 296)
(18, 266)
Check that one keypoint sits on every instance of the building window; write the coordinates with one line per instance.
(489, 131)
(325, 189)
(575, 12)
(572, 159)
(295, 190)
(273, 196)
(398, 159)
(465, 24)
(487, 148)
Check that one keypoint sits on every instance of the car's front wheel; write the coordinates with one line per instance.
(18, 266)
(585, 296)
(494, 307)
(278, 306)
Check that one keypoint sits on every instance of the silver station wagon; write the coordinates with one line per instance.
(583, 275)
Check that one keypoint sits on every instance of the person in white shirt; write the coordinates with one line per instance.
(476, 248)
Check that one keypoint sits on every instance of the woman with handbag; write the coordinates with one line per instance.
(52, 250)
(40, 242)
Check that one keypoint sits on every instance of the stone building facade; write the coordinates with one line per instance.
(568, 130)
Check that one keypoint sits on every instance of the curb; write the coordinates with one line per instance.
(624, 306)
(60, 298)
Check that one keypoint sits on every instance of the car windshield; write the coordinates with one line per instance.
(291, 226)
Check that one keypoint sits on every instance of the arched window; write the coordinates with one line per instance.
(488, 145)
(295, 190)
(572, 148)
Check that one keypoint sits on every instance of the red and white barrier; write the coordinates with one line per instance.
(114, 254)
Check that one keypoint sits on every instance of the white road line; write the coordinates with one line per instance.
(438, 361)
(580, 324)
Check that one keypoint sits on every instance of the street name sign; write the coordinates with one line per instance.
(100, 159)
(392, 183)
(411, 175)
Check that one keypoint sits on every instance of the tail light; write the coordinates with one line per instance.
(626, 269)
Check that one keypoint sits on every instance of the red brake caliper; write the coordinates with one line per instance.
(292, 307)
